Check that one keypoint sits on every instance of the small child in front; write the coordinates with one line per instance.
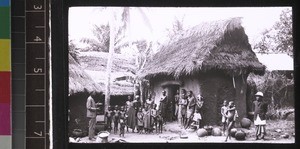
(140, 122)
(160, 122)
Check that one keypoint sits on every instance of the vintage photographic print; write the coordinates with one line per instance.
(181, 74)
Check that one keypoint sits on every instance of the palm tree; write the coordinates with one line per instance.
(125, 21)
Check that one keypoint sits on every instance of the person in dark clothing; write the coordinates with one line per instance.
(163, 105)
(260, 110)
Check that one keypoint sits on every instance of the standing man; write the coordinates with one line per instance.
(260, 110)
(91, 115)
(163, 105)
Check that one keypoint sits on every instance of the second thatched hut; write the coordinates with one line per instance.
(213, 59)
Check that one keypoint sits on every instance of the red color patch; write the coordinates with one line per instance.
(5, 87)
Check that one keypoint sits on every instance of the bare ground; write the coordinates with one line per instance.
(172, 131)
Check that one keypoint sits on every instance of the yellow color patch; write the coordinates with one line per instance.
(5, 55)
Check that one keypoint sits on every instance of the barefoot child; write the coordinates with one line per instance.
(140, 122)
(196, 119)
(231, 116)
(122, 121)
(223, 112)
(160, 122)
(116, 119)
(108, 118)
(154, 117)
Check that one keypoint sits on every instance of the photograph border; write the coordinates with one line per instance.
(59, 55)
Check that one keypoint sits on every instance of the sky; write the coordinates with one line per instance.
(255, 20)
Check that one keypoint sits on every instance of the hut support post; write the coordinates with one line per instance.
(233, 81)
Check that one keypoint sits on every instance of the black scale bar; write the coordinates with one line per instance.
(37, 108)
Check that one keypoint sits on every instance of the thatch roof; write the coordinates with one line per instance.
(79, 80)
(219, 45)
(118, 88)
(94, 64)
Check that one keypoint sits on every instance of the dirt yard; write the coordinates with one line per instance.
(275, 131)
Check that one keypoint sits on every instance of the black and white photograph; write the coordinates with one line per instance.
(181, 75)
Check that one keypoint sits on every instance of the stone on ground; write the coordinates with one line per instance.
(202, 132)
(245, 123)
(216, 131)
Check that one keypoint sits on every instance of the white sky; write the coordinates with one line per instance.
(255, 19)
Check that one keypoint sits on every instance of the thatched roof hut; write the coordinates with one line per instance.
(95, 63)
(79, 80)
(212, 59)
(205, 47)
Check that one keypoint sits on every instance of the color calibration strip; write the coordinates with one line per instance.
(5, 75)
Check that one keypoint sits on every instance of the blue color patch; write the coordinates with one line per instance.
(4, 3)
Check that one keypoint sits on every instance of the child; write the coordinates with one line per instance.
(116, 119)
(108, 115)
(122, 121)
(140, 122)
(160, 122)
(126, 108)
(122, 127)
(231, 116)
(223, 112)
(154, 117)
(196, 119)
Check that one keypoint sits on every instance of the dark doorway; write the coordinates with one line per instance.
(119, 100)
(171, 92)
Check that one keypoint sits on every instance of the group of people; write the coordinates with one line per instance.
(146, 118)
(187, 108)
(135, 116)
(230, 115)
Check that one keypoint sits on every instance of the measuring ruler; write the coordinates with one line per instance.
(37, 64)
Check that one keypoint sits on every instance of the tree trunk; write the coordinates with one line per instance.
(110, 57)
(142, 92)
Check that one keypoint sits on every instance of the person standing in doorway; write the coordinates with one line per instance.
(163, 105)
(91, 115)
(176, 100)
(260, 110)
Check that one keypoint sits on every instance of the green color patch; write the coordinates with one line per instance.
(4, 22)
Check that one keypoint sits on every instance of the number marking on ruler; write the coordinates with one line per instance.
(36, 36)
